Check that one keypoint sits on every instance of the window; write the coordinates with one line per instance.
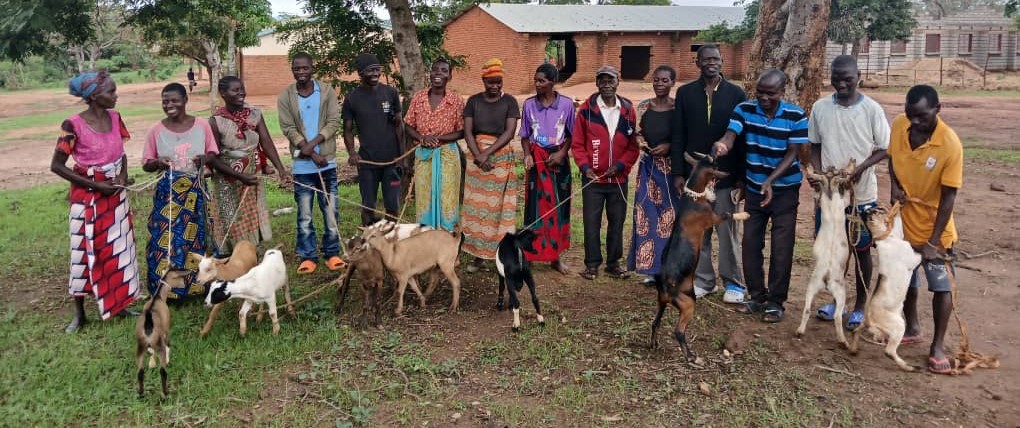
(966, 44)
(932, 44)
(898, 47)
(995, 43)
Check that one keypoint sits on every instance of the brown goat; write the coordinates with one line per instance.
(369, 266)
(152, 330)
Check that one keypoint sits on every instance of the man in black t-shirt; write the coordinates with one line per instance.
(375, 109)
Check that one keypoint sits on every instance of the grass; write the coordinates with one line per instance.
(54, 118)
(992, 154)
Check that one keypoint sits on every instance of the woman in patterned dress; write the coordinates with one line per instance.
(240, 209)
(103, 261)
(435, 120)
(655, 200)
(490, 183)
(180, 146)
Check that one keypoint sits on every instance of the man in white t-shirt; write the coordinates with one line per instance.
(843, 126)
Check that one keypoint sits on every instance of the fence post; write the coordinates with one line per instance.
(940, 70)
(887, 61)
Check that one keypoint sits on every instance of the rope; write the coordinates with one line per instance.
(170, 206)
(395, 160)
(302, 298)
(568, 198)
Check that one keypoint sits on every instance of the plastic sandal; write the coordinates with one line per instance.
(940, 366)
(827, 312)
(772, 315)
(335, 263)
(855, 319)
(306, 266)
(910, 340)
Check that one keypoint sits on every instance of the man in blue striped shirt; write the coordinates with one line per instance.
(775, 131)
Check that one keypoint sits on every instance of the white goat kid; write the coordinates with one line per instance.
(259, 285)
(897, 260)
(833, 191)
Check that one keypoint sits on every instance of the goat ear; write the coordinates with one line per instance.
(690, 159)
(851, 167)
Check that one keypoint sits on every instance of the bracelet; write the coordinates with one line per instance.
(928, 243)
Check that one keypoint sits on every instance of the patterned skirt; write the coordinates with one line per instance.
(490, 201)
(177, 222)
(654, 214)
(437, 185)
(103, 259)
(546, 189)
(239, 211)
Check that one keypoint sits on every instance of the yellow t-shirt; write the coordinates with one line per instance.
(922, 173)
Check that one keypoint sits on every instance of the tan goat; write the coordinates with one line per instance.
(417, 254)
(152, 330)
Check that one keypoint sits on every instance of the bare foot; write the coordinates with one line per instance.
(560, 267)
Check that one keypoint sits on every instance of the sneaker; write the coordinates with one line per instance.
(734, 294)
(701, 292)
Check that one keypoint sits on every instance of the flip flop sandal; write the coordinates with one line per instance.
(772, 315)
(911, 340)
(307, 266)
(589, 274)
(335, 263)
(827, 312)
(942, 366)
(855, 320)
(751, 308)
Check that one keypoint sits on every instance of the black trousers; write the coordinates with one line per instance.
(596, 199)
(782, 212)
(369, 180)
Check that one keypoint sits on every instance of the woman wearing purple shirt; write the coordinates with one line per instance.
(546, 123)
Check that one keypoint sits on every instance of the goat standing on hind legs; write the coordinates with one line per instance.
(675, 282)
(153, 329)
(834, 192)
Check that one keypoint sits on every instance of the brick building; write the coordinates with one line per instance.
(984, 37)
(581, 38)
(264, 67)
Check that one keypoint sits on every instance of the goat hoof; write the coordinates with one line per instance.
(515, 329)
(499, 306)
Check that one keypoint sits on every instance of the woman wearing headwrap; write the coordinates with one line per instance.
(103, 262)
(239, 129)
(490, 183)
(546, 124)
(435, 120)
(179, 146)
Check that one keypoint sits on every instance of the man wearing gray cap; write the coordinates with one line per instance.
(604, 145)
(375, 109)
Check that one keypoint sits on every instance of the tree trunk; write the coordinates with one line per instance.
(405, 41)
(94, 54)
(231, 51)
(212, 57)
(79, 57)
(791, 36)
(855, 49)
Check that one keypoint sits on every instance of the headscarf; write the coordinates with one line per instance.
(85, 84)
(240, 118)
(492, 68)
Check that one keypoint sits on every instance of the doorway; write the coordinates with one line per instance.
(635, 62)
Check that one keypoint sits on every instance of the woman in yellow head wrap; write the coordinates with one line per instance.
(490, 186)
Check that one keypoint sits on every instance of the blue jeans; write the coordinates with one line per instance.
(331, 215)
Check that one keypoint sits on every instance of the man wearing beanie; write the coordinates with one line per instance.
(373, 109)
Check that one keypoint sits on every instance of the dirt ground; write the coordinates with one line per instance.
(989, 284)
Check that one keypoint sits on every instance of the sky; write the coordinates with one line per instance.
(293, 7)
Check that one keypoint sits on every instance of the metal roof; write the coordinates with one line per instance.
(536, 18)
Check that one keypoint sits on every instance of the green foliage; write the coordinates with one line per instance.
(853, 20)
(39, 26)
(723, 33)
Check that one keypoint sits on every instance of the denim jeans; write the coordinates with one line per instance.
(303, 196)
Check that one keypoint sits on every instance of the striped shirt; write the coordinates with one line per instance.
(767, 141)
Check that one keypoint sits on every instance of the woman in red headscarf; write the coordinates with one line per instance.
(490, 183)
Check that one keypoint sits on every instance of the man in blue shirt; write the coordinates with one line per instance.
(775, 131)
(309, 118)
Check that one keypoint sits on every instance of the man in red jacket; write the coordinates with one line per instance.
(604, 145)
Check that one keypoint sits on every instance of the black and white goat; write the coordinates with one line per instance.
(259, 285)
(515, 270)
(833, 191)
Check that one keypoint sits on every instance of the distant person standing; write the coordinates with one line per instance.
(373, 108)
(310, 117)
(191, 80)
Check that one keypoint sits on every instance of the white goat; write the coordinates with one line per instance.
(417, 254)
(239, 263)
(259, 285)
(896, 263)
(831, 250)
(393, 229)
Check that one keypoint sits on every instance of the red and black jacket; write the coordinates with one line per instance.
(595, 148)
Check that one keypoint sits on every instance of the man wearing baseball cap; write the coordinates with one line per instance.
(604, 145)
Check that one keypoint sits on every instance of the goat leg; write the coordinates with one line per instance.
(341, 293)
(209, 322)
(515, 303)
(839, 293)
(530, 280)
(164, 359)
(140, 361)
(686, 305)
(413, 282)
(242, 317)
(815, 283)
(451, 275)
(272, 315)
(499, 297)
(655, 324)
(286, 297)
(377, 301)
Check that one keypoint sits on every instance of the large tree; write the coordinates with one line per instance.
(200, 29)
(851, 21)
(43, 26)
(791, 36)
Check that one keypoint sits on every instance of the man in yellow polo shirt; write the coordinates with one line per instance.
(926, 169)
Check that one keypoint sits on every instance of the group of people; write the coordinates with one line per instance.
(759, 143)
